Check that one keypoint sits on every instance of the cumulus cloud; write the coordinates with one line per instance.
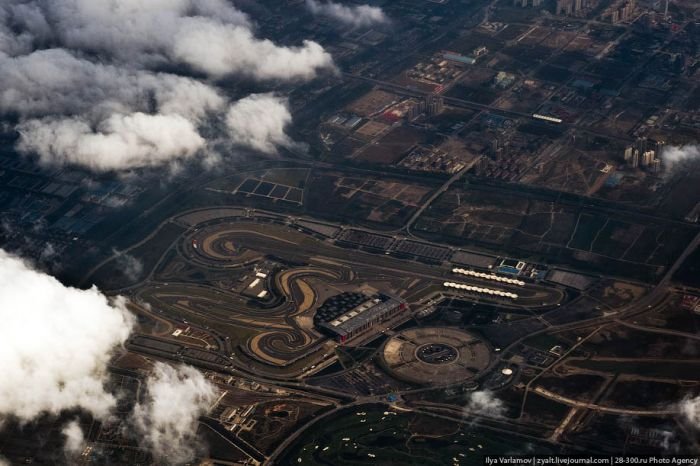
(81, 76)
(131, 267)
(75, 439)
(102, 116)
(56, 343)
(485, 403)
(55, 81)
(236, 50)
(12, 42)
(134, 140)
(47, 252)
(211, 36)
(259, 121)
(690, 410)
(671, 155)
(356, 15)
(167, 419)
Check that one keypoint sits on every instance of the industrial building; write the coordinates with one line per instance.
(348, 315)
(459, 58)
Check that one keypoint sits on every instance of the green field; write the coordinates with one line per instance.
(395, 438)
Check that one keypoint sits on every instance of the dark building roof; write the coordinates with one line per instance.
(358, 316)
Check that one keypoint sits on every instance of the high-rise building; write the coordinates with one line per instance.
(634, 161)
(434, 104)
(622, 12)
(632, 156)
(656, 166)
(641, 144)
(627, 10)
(482, 165)
(648, 158)
(565, 7)
(569, 7)
(416, 109)
(660, 145)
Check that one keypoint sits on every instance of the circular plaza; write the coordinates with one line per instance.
(435, 356)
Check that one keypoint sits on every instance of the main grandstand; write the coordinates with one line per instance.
(348, 315)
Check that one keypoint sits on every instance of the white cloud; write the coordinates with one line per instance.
(12, 42)
(75, 439)
(484, 402)
(56, 343)
(356, 15)
(212, 36)
(97, 116)
(56, 82)
(80, 75)
(130, 266)
(690, 410)
(671, 155)
(120, 141)
(47, 252)
(167, 419)
(259, 121)
(236, 50)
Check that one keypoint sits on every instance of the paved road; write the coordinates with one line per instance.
(603, 409)
(437, 193)
(642, 305)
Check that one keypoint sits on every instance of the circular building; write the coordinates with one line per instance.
(434, 355)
